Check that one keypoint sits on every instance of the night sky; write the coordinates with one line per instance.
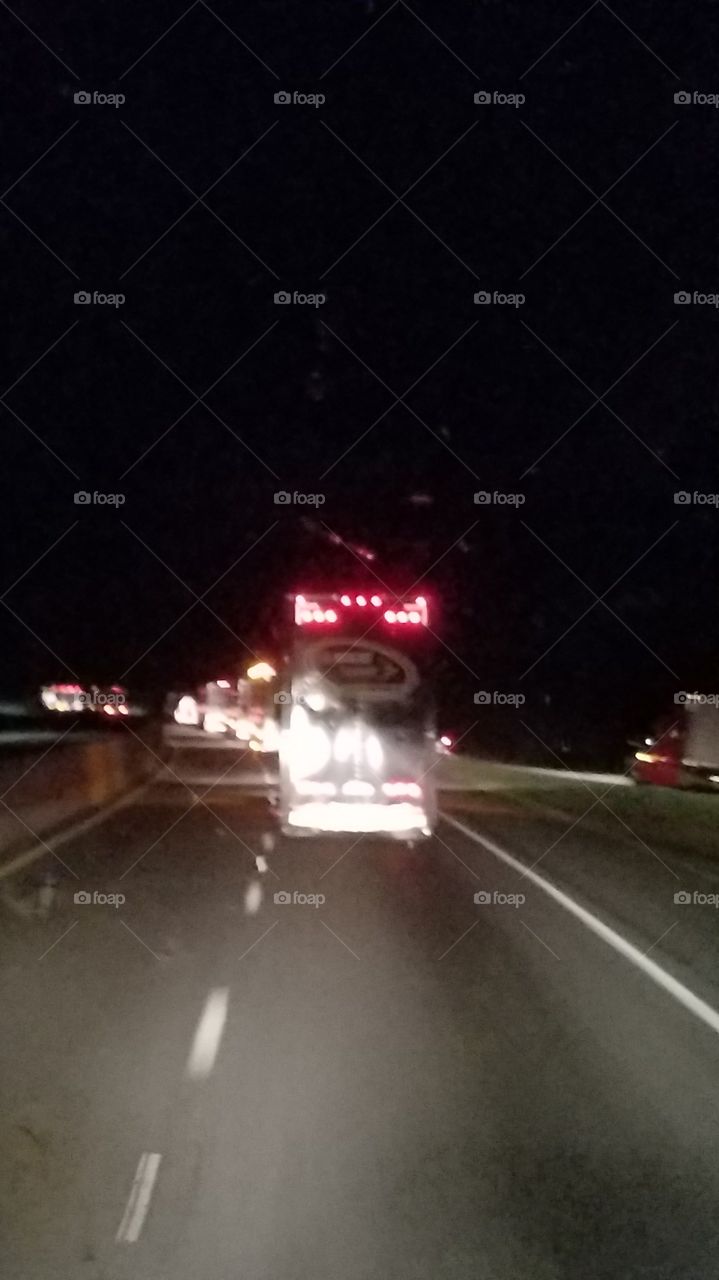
(398, 398)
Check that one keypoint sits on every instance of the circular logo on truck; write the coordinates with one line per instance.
(369, 669)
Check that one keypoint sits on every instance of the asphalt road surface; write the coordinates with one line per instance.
(380, 1077)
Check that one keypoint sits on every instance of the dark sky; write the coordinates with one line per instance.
(397, 198)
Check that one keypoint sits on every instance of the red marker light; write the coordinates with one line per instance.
(401, 616)
(330, 615)
(376, 601)
(361, 601)
(318, 615)
(390, 615)
(345, 600)
(414, 616)
(306, 615)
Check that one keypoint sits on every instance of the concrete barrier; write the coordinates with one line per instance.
(41, 791)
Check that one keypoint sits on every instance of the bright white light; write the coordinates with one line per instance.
(330, 615)
(358, 816)
(401, 616)
(309, 745)
(316, 701)
(361, 601)
(223, 684)
(261, 671)
(345, 600)
(414, 616)
(306, 787)
(390, 616)
(186, 711)
(213, 722)
(411, 789)
(374, 753)
(376, 601)
(356, 787)
(445, 740)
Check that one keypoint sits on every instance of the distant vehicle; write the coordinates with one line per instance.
(109, 701)
(445, 744)
(357, 733)
(187, 711)
(243, 709)
(682, 750)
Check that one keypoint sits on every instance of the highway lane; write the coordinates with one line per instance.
(395, 1080)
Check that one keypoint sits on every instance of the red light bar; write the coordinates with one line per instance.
(323, 609)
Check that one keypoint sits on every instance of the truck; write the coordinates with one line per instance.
(682, 748)
(357, 731)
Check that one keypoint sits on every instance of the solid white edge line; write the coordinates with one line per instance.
(51, 839)
(694, 1004)
(208, 1034)
(139, 1200)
